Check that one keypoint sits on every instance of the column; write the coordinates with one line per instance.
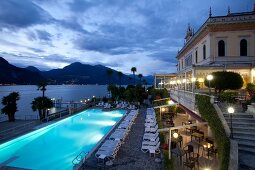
(185, 85)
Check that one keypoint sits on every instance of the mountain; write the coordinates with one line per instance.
(75, 73)
(33, 69)
(10, 74)
(78, 73)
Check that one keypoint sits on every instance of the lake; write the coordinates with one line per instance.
(66, 92)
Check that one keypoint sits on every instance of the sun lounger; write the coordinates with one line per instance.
(147, 148)
(145, 142)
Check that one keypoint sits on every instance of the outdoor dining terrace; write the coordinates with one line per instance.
(186, 142)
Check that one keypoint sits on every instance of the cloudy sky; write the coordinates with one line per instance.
(116, 33)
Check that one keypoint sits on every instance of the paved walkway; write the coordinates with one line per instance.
(130, 156)
(9, 130)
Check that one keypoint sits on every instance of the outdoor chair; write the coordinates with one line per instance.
(194, 158)
(188, 149)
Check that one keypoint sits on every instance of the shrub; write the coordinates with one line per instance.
(158, 93)
(228, 97)
(209, 113)
(223, 80)
(179, 110)
(250, 87)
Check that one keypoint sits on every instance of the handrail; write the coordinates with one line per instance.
(80, 157)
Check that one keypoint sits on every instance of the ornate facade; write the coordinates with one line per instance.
(221, 43)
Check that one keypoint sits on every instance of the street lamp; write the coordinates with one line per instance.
(231, 110)
(209, 77)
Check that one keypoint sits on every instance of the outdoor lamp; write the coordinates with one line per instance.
(209, 77)
(163, 109)
(175, 135)
(231, 110)
(170, 102)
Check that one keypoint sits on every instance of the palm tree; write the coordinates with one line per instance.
(42, 104)
(120, 74)
(133, 69)
(140, 76)
(109, 73)
(10, 105)
(42, 86)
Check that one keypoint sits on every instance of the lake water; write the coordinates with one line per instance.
(66, 92)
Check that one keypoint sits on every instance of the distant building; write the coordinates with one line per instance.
(221, 43)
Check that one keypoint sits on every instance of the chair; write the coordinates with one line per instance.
(188, 149)
(195, 158)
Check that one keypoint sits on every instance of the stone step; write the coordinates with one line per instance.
(241, 115)
(243, 129)
(245, 138)
(243, 134)
(246, 158)
(251, 145)
(248, 120)
(241, 124)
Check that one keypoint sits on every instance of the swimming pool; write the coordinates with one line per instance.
(56, 145)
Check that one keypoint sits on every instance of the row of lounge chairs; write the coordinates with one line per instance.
(119, 105)
(151, 141)
(108, 150)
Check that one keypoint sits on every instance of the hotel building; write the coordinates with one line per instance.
(221, 43)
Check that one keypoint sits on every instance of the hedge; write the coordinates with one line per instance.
(208, 112)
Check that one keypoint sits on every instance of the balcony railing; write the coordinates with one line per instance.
(185, 98)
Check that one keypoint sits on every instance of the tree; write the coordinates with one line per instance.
(223, 80)
(133, 70)
(120, 74)
(10, 105)
(109, 73)
(140, 76)
(42, 86)
(42, 104)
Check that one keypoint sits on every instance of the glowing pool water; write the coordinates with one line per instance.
(55, 146)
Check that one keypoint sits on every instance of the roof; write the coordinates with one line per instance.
(243, 17)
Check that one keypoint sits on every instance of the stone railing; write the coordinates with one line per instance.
(185, 98)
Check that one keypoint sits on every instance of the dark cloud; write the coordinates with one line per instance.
(43, 35)
(17, 13)
(154, 29)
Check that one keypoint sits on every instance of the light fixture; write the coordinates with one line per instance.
(209, 77)
(170, 102)
(175, 135)
(231, 110)
(81, 101)
(200, 80)
(163, 109)
(193, 79)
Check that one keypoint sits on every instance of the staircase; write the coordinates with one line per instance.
(244, 133)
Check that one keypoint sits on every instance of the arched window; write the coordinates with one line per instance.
(204, 52)
(243, 47)
(221, 48)
(196, 56)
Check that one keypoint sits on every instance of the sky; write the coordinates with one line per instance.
(119, 34)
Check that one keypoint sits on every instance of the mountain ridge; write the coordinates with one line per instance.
(75, 73)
